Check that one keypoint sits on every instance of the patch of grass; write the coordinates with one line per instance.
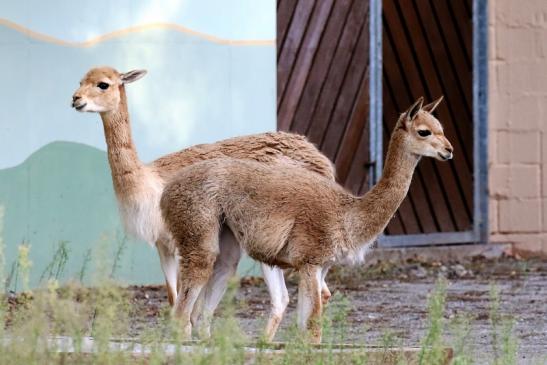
(24, 264)
(388, 342)
(461, 344)
(504, 343)
(432, 351)
(120, 249)
(20, 270)
(57, 265)
(85, 265)
(335, 319)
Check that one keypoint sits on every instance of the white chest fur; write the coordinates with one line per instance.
(141, 212)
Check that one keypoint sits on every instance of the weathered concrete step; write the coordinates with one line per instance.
(87, 346)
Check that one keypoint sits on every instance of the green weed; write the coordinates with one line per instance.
(432, 351)
(461, 344)
(24, 264)
(85, 265)
(57, 265)
(504, 343)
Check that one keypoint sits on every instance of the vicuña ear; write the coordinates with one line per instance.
(415, 108)
(432, 106)
(132, 76)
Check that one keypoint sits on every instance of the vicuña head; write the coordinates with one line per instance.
(101, 89)
(425, 135)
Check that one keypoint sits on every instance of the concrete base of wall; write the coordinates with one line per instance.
(524, 244)
(441, 253)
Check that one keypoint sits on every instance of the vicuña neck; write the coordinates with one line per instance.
(374, 210)
(122, 154)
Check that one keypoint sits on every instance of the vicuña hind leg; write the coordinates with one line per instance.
(224, 268)
(279, 296)
(196, 267)
(309, 301)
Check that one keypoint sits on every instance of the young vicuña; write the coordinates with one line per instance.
(139, 186)
(289, 217)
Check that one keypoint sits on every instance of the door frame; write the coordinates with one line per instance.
(480, 230)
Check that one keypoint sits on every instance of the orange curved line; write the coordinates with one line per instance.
(138, 28)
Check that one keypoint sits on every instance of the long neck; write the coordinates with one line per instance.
(122, 154)
(373, 211)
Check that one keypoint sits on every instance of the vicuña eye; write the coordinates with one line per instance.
(102, 85)
(424, 133)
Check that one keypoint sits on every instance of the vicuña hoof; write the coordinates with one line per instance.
(325, 295)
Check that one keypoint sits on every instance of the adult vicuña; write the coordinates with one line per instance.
(138, 187)
(289, 217)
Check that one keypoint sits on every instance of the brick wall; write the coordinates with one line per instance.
(518, 123)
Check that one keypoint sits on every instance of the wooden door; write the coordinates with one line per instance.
(323, 80)
(427, 51)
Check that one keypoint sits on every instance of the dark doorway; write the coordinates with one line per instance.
(427, 49)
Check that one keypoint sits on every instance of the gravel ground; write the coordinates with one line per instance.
(392, 299)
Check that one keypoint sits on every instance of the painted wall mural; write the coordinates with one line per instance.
(211, 75)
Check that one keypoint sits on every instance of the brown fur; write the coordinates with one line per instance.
(138, 186)
(290, 217)
(270, 147)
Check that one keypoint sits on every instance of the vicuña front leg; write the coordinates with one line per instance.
(170, 267)
(224, 268)
(196, 267)
(309, 301)
(279, 296)
(325, 292)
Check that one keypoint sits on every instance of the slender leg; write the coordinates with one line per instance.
(325, 292)
(169, 265)
(309, 302)
(183, 307)
(279, 296)
(224, 268)
(198, 308)
(196, 267)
